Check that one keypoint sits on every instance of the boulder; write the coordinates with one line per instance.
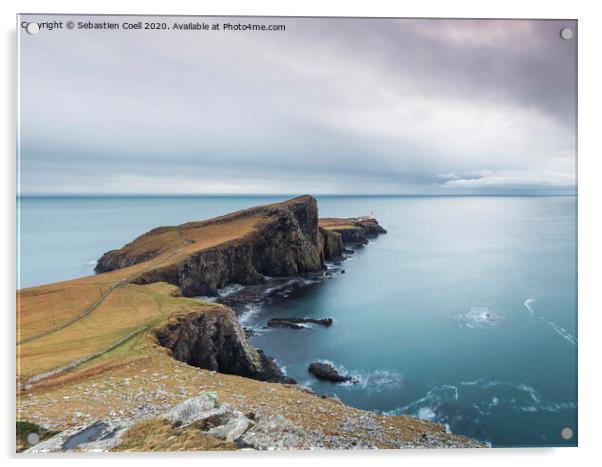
(327, 372)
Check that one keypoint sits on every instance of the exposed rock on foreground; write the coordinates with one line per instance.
(213, 425)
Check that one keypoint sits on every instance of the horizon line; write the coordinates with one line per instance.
(269, 195)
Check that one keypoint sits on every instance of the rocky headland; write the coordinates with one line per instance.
(127, 359)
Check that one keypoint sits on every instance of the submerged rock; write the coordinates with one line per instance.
(328, 372)
(296, 323)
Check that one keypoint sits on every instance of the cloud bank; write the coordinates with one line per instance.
(328, 106)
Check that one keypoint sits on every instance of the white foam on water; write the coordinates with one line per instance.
(283, 368)
(378, 380)
(561, 332)
(426, 413)
(249, 311)
(529, 401)
(203, 298)
(522, 387)
(529, 307)
(283, 286)
(567, 336)
(371, 381)
(479, 317)
(230, 289)
(429, 403)
(92, 263)
(471, 383)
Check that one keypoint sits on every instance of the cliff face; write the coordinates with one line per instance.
(332, 245)
(284, 241)
(211, 338)
(352, 230)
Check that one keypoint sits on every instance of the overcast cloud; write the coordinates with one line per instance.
(328, 106)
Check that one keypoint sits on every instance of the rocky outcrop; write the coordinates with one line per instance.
(297, 323)
(328, 372)
(354, 230)
(204, 422)
(211, 338)
(285, 241)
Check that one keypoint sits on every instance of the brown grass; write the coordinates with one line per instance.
(159, 435)
(332, 223)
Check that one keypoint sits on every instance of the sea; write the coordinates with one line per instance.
(464, 313)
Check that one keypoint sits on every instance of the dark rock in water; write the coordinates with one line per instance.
(211, 338)
(348, 251)
(283, 324)
(295, 323)
(328, 373)
(342, 271)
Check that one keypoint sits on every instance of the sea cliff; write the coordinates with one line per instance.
(127, 355)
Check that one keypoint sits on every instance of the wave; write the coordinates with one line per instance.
(92, 263)
(428, 404)
(479, 317)
(529, 307)
(286, 287)
(206, 298)
(567, 336)
(371, 381)
(230, 289)
(250, 310)
(449, 403)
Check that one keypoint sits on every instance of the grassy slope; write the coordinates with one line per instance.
(59, 323)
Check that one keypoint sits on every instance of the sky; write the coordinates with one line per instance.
(328, 106)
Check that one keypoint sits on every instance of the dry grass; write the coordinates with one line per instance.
(332, 223)
(127, 309)
(59, 323)
(159, 435)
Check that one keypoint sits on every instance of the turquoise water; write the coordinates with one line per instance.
(464, 313)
